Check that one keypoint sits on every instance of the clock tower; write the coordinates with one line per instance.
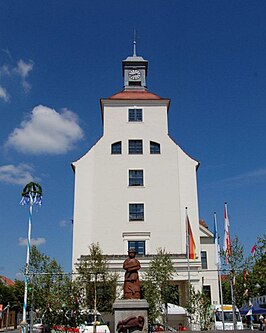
(135, 72)
(132, 187)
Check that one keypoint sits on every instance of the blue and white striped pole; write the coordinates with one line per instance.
(24, 319)
(32, 194)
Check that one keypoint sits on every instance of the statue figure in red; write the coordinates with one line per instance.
(131, 283)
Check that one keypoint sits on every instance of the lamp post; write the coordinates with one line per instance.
(31, 195)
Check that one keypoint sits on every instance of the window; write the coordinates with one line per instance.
(135, 146)
(135, 178)
(207, 291)
(139, 246)
(116, 148)
(136, 212)
(155, 147)
(204, 260)
(134, 114)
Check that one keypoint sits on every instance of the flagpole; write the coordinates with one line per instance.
(188, 263)
(218, 263)
(228, 252)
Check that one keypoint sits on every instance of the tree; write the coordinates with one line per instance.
(255, 282)
(51, 292)
(14, 295)
(5, 294)
(158, 290)
(17, 299)
(259, 268)
(247, 274)
(199, 307)
(97, 285)
(235, 273)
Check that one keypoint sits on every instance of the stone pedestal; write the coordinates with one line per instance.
(126, 309)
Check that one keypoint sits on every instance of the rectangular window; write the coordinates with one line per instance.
(207, 291)
(116, 148)
(204, 264)
(139, 246)
(135, 178)
(135, 115)
(135, 147)
(136, 212)
(155, 148)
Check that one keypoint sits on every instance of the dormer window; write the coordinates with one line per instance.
(135, 115)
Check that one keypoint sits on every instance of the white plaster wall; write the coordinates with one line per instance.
(102, 194)
(209, 276)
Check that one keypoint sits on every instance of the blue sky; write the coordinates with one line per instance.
(58, 58)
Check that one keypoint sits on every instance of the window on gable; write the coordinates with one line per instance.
(135, 146)
(139, 246)
(136, 212)
(116, 148)
(135, 178)
(204, 264)
(155, 147)
(135, 115)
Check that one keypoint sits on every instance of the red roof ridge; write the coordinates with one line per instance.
(6, 281)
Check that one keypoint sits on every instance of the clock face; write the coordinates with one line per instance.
(134, 74)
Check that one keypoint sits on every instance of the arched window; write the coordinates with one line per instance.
(155, 148)
(116, 148)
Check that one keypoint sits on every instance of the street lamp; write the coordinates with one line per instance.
(31, 195)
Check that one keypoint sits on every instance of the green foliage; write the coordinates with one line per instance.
(259, 268)
(14, 295)
(93, 273)
(32, 187)
(51, 292)
(17, 299)
(247, 274)
(199, 308)
(5, 294)
(158, 290)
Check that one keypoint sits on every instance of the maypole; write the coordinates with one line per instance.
(31, 195)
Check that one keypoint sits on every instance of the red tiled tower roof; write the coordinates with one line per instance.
(135, 94)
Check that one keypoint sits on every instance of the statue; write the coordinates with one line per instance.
(131, 282)
(130, 324)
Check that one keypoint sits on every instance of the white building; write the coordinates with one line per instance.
(133, 185)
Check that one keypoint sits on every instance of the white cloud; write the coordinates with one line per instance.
(46, 132)
(255, 176)
(65, 223)
(4, 70)
(19, 175)
(22, 69)
(38, 241)
(4, 94)
(7, 52)
(248, 178)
